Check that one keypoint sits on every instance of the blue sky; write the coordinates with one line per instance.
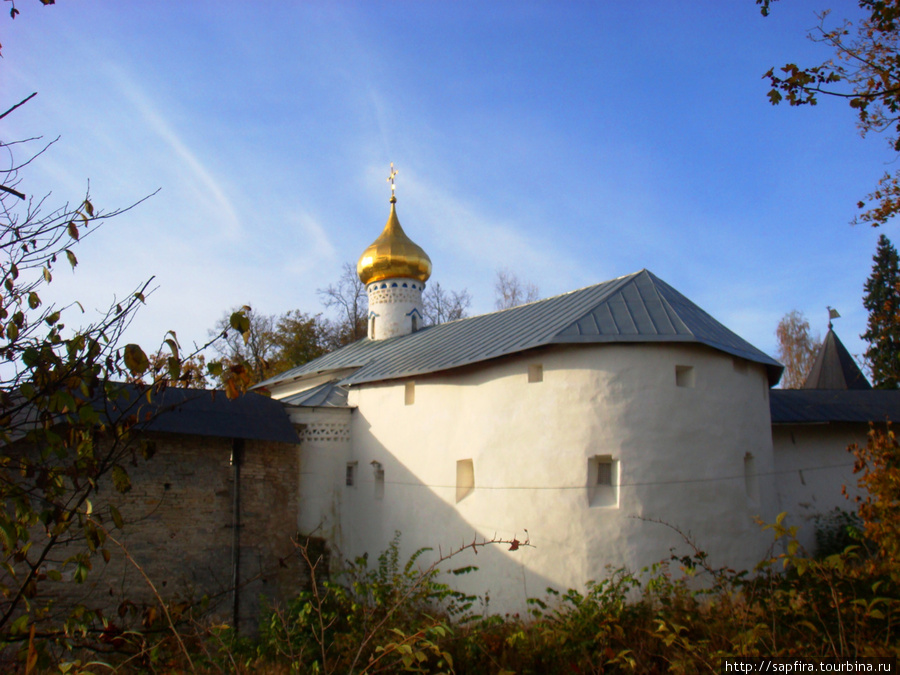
(569, 142)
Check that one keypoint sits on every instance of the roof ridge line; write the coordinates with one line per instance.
(617, 285)
(550, 297)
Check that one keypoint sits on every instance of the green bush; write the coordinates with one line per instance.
(389, 616)
(680, 616)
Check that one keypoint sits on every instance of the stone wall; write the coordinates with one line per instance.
(179, 528)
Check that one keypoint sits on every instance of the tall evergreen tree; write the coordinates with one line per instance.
(882, 300)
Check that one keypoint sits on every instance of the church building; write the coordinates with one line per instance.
(601, 426)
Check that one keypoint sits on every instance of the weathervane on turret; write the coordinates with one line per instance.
(832, 314)
(390, 179)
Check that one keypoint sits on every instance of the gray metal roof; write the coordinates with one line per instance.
(195, 412)
(205, 412)
(327, 395)
(818, 406)
(639, 307)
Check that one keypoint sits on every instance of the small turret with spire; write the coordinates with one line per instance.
(834, 367)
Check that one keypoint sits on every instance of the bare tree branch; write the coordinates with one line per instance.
(511, 292)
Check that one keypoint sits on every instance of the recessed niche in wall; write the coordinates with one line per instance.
(684, 376)
(535, 373)
(350, 476)
(379, 480)
(410, 393)
(603, 481)
(465, 479)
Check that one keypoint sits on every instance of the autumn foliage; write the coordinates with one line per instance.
(69, 425)
(878, 463)
(864, 71)
(797, 349)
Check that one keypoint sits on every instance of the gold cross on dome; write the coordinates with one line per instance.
(390, 179)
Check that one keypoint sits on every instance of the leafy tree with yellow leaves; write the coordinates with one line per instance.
(864, 70)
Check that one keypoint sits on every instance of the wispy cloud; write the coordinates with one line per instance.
(487, 242)
(209, 187)
(316, 247)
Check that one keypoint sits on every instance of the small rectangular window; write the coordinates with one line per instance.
(351, 474)
(465, 479)
(684, 376)
(604, 473)
(535, 373)
(409, 396)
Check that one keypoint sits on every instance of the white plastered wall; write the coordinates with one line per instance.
(680, 454)
(325, 450)
(812, 467)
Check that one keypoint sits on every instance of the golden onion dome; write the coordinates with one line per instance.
(393, 255)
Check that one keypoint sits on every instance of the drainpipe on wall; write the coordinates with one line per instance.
(237, 458)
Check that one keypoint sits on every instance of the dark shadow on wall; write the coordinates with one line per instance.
(427, 516)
